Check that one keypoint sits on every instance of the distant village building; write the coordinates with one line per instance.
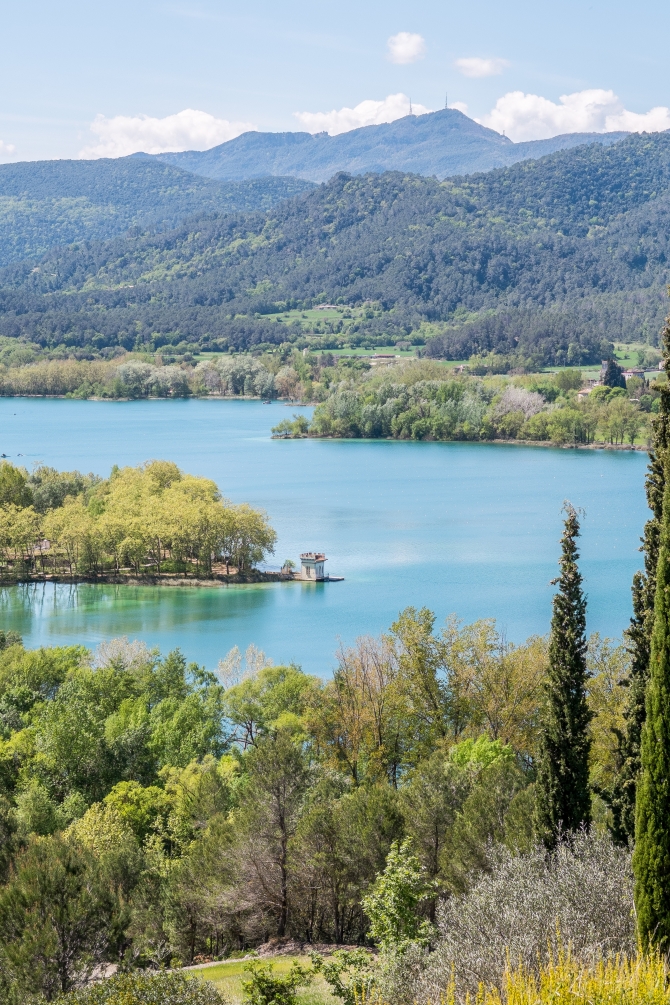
(311, 566)
(633, 372)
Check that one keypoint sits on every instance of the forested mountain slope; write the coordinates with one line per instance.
(550, 259)
(439, 143)
(47, 203)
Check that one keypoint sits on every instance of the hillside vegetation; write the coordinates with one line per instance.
(548, 260)
(49, 203)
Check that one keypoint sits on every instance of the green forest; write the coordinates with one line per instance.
(44, 204)
(549, 260)
(423, 401)
(150, 520)
(196, 814)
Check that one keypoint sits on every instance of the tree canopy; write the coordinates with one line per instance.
(153, 518)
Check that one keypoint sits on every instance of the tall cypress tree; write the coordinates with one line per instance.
(651, 858)
(613, 376)
(563, 796)
(622, 796)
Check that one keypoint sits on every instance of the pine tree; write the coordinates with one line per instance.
(622, 797)
(563, 795)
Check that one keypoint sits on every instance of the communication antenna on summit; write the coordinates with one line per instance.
(446, 99)
(410, 106)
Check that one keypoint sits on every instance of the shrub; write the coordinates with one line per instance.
(348, 972)
(391, 905)
(583, 891)
(149, 988)
(266, 988)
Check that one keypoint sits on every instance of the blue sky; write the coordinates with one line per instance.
(259, 63)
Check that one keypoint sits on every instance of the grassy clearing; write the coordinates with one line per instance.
(228, 977)
(357, 351)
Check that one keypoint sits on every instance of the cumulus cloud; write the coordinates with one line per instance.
(7, 150)
(367, 113)
(406, 47)
(187, 130)
(531, 117)
(475, 66)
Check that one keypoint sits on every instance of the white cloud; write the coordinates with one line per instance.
(406, 47)
(475, 66)
(531, 117)
(7, 150)
(187, 130)
(367, 113)
(460, 106)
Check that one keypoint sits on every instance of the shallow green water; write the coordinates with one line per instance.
(464, 528)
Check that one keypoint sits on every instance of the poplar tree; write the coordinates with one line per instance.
(563, 795)
(638, 636)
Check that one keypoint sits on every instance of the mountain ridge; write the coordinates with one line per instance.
(444, 143)
(550, 259)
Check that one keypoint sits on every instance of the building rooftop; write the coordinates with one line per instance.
(313, 556)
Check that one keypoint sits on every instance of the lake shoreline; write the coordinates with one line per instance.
(168, 580)
(637, 447)
(545, 444)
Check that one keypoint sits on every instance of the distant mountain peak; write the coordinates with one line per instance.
(442, 143)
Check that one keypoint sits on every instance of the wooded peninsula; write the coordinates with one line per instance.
(151, 521)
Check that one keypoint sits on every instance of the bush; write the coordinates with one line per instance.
(516, 912)
(266, 988)
(349, 972)
(147, 989)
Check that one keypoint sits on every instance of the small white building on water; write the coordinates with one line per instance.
(311, 566)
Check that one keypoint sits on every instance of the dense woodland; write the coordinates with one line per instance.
(578, 236)
(423, 401)
(282, 373)
(143, 521)
(48, 203)
(208, 812)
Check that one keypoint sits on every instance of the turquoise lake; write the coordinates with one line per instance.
(470, 529)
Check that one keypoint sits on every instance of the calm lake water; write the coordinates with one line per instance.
(466, 528)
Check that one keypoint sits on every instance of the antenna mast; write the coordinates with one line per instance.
(410, 106)
(446, 99)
